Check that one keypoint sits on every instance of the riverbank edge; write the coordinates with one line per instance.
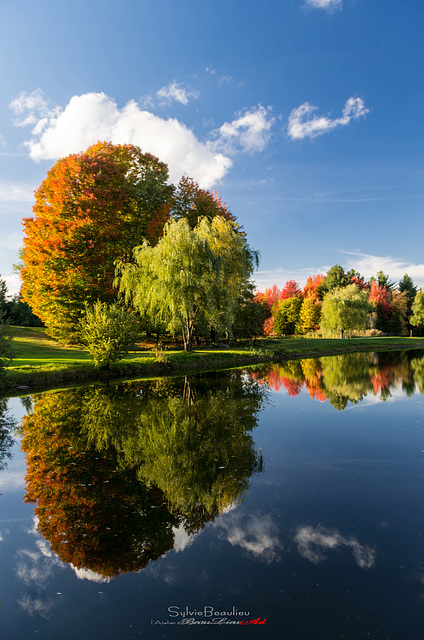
(24, 383)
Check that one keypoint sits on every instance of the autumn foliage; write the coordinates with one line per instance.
(91, 209)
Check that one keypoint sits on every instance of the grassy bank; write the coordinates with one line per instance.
(41, 363)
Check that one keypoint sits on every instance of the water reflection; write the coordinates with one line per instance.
(117, 473)
(314, 544)
(7, 423)
(347, 378)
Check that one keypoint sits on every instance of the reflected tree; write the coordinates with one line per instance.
(347, 378)
(7, 423)
(113, 470)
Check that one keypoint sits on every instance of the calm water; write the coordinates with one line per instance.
(288, 495)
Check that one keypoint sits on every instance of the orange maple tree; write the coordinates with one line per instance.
(91, 209)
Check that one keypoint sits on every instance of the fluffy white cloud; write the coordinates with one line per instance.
(313, 544)
(94, 116)
(329, 5)
(303, 123)
(176, 91)
(88, 118)
(249, 132)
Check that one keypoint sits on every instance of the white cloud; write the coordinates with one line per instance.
(13, 283)
(88, 118)
(176, 91)
(250, 132)
(94, 116)
(329, 5)
(314, 543)
(304, 124)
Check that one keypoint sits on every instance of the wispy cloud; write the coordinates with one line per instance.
(31, 108)
(368, 265)
(265, 279)
(15, 193)
(328, 5)
(304, 123)
(11, 242)
(177, 92)
(36, 606)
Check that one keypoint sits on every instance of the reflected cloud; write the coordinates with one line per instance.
(182, 539)
(313, 544)
(36, 606)
(36, 566)
(87, 574)
(12, 480)
(258, 536)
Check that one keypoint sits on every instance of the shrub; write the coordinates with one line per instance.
(108, 332)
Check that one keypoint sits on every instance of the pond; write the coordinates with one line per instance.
(288, 498)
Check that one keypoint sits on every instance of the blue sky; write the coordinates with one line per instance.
(305, 115)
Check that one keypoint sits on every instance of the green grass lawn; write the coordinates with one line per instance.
(41, 362)
(34, 348)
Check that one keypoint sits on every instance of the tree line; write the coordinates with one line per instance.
(340, 303)
(113, 250)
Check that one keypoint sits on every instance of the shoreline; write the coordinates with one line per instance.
(20, 383)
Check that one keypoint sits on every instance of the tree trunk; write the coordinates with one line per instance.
(188, 337)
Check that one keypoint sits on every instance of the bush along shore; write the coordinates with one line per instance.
(40, 363)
